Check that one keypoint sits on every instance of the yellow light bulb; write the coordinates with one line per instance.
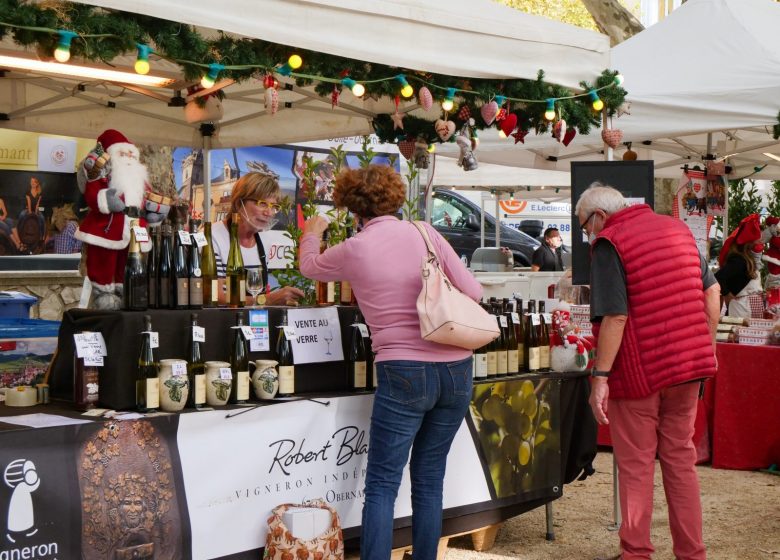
(142, 66)
(295, 61)
(598, 105)
(358, 90)
(407, 91)
(62, 54)
(447, 104)
(549, 115)
(431, 148)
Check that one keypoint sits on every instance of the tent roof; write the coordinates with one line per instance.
(468, 38)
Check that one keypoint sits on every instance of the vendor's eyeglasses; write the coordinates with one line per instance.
(584, 224)
(266, 206)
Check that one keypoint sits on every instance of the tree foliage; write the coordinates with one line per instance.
(773, 199)
(572, 12)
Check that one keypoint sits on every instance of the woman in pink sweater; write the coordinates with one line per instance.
(424, 388)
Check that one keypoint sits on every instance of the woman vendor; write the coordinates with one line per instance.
(740, 272)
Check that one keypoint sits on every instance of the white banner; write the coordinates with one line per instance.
(317, 335)
(277, 246)
(236, 470)
(56, 154)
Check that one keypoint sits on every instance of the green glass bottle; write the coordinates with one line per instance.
(234, 271)
(208, 267)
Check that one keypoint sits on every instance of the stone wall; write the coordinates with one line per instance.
(57, 291)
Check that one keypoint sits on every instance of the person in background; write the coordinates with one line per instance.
(7, 226)
(255, 197)
(64, 224)
(547, 257)
(655, 307)
(739, 276)
(424, 388)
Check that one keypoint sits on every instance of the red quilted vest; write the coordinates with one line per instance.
(667, 340)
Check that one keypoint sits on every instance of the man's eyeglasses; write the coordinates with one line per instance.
(584, 224)
(266, 206)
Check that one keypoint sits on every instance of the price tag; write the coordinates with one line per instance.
(225, 373)
(515, 318)
(141, 234)
(248, 332)
(362, 328)
(184, 237)
(154, 338)
(289, 332)
(502, 321)
(90, 344)
(93, 361)
(535, 319)
(198, 334)
(200, 239)
(179, 369)
(547, 318)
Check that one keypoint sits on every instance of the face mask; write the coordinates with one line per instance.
(271, 223)
(592, 234)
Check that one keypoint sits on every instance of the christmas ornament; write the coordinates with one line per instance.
(398, 120)
(271, 100)
(489, 112)
(334, 97)
(425, 98)
(569, 136)
(559, 130)
(612, 137)
(520, 135)
(406, 147)
(464, 114)
(445, 129)
(269, 81)
(624, 109)
(501, 115)
(421, 155)
(508, 124)
(630, 154)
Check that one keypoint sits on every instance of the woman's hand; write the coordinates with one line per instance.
(316, 225)
(287, 295)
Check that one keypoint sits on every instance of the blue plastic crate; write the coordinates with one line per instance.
(16, 305)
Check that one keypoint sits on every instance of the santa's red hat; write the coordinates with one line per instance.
(748, 230)
(772, 220)
(111, 137)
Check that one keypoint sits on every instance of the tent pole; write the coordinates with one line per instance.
(206, 131)
(482, 220)
(498, 220)
(609, 153)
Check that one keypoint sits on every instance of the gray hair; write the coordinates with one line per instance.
(599, 196)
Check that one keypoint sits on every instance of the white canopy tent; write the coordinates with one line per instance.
(711, 67)
(472, 38)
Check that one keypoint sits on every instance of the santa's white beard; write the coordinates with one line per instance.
(129, 177)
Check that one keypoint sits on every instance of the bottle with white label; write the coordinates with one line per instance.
(533, 354)
(357, 361)
(492, 351)
(147, 386)
(196, 367)
(195, 275)
(284, 356)
(480, 362)
(544, 340)
(239, 364)
(209, 271)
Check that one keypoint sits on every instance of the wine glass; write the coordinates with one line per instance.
(328, 338)
(254, 283)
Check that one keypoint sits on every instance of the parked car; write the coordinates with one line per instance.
(458, 220)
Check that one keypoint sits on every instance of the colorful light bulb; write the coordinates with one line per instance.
(449, 100)
(595, 101)
(549, 112)
(406, 90)
(295, 61)
(619, 79)
(211, 76)
(142, 61)
(62, 52)
(358, 90)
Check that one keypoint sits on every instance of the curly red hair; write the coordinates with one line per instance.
(374, 191)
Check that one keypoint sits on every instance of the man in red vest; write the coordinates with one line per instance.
(655, 307)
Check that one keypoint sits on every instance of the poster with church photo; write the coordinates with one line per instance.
(39, 212)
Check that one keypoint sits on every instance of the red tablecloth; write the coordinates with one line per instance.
(738, 421)
(746, 415)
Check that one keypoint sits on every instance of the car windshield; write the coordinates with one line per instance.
(449, 212)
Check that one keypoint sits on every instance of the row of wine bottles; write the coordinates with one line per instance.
(334, 291)
(522, 346)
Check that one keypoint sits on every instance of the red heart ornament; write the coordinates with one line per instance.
(406, 147)
(612, 137)
(508, 124)
(569, 136)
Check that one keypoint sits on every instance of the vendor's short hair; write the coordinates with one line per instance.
(374, 191)
(599, 196)
(551, 232)
(254, 186)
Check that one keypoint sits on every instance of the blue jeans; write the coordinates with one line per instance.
(418, 405)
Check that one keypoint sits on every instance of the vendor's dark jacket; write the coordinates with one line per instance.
(667, 340)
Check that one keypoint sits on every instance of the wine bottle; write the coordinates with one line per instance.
(234, 271)
(239, 363)
(284, 356)
(196, 367)
(152, 269)
(531, 338)
(136, 284)
(147, 386)
(357, 361)
(371, 362)
(165, 271)
(346, 296)
(326, 291)
(492, 351)
(208, 266)
(181, 275)
(502, 349)
(513, 354)
(544, 340)
(480, 362)
(86, 383)
(195, 275)
(519, 321)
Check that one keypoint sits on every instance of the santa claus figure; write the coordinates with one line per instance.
(771, 238)
(114, 183)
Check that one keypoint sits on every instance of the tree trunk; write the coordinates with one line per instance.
(613, 19)
(159, 162)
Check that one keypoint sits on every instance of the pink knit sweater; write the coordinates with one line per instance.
(382, 263)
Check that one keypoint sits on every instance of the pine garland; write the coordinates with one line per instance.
(105, 34)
